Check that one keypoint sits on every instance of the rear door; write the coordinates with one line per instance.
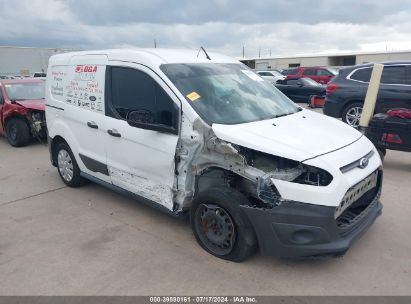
(395, 88)
(141, 132)
(311, 73)
(293, 90)
(77, 94)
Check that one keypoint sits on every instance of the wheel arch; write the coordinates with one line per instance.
(54, 142)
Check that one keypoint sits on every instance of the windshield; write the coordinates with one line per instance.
(228, 93)
(277, 74)
(23, 91)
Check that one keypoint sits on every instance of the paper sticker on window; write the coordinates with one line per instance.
(193, 96)
(252, 75)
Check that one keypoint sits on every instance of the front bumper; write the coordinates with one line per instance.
(295, 229)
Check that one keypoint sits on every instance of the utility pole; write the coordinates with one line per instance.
(243, 51)
(259, 52)
(155, 44)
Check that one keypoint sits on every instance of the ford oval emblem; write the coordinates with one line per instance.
(363, 162)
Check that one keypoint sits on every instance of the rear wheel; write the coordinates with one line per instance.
(67, 166)
(18, 133)
(352, 114)
(219, 225)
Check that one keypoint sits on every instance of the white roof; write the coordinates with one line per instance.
(154, 57)
(324, 54)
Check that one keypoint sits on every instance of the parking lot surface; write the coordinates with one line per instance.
(55, 240)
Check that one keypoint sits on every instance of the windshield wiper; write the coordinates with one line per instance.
(285, 114)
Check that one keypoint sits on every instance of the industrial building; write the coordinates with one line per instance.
(339, 59)
(25, 61)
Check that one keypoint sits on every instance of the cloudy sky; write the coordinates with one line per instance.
(286, 27)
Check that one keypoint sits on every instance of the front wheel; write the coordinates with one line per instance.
(219, 225)
(18, 133)
(352, 114)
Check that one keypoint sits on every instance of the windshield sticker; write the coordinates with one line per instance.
(252, 75)
(193, 96)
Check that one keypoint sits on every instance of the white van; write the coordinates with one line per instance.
(201, 134)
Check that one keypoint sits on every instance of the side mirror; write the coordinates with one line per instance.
(300, 84)
(145, 119)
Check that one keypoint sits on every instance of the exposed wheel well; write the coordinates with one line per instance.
(53, 147)
(219, 177)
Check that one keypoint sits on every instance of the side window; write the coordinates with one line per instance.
(323, 73)
(362, 75)
(135, 91)
(309, 72)
(1, 97)
(394, 75)
(264, 74)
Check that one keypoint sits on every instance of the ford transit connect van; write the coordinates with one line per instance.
(202, 135)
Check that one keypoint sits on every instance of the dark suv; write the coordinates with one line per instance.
(346, 92)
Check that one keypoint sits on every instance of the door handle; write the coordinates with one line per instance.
(92, 125)
(114, 133)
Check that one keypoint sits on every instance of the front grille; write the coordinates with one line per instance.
(357, 163)
(358, 200)
(356, 192)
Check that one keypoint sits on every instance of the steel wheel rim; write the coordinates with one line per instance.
(215, 228)
(353, 116)
(65, 165)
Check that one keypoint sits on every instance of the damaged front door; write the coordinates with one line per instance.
(141, 133)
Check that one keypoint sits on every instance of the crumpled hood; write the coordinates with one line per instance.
(298, 136)
(35, 104)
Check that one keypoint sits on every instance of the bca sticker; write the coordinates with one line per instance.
(85, 72)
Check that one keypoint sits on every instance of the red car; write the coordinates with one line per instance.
(321, 75)
(22, 110)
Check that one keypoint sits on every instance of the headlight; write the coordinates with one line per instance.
(314, 176)
(285, 169)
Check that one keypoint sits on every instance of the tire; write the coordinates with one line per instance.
(18, 133)
(67, 166)
(233, 237)
(352, 114)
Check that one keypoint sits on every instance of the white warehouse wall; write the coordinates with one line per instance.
(24, 60)
(326, 60)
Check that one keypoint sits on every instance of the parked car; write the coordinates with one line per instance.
(319, 74)
(346, 92)
(300, 90)
(22, 110)
(286, 71)
(272, 76)
(39, 75)
(205, 136)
